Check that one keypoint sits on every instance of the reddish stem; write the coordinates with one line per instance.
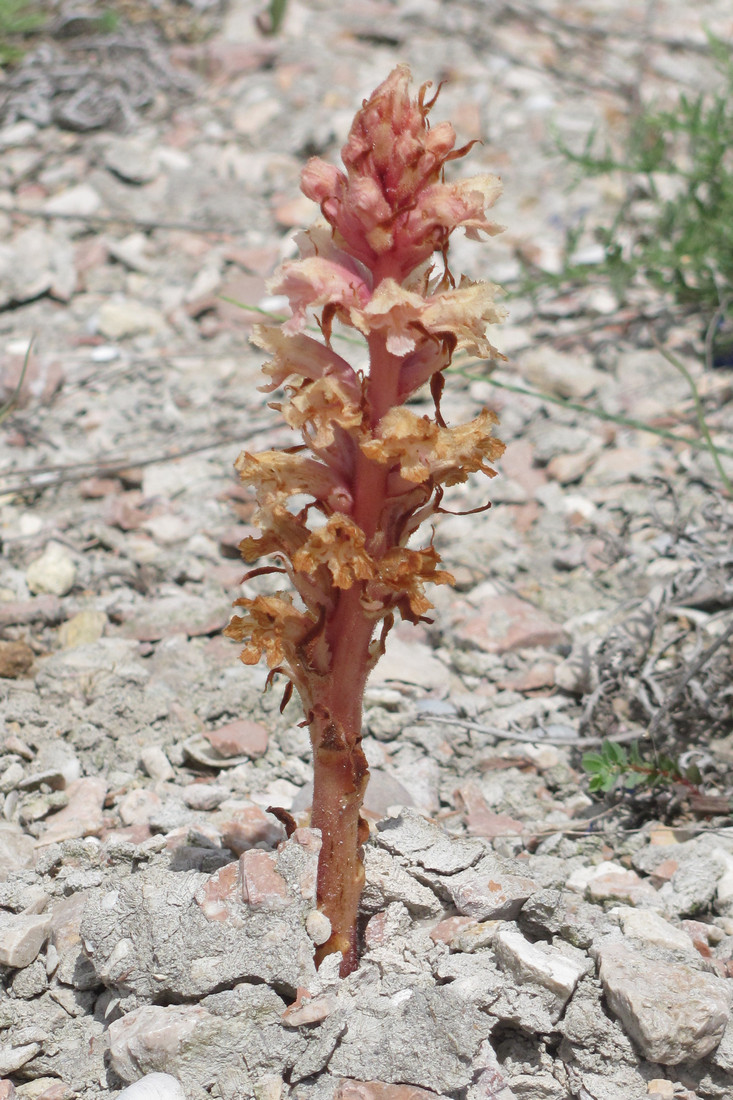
(340, 767)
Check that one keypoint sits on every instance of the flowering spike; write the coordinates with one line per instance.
(376, 469)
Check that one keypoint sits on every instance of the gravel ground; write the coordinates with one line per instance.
(522, 941)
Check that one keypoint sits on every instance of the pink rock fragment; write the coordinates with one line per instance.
(82, 816)
(170, 615)
(56, 1091)
(135, 834)
(220, 894)
(221, 61)
(377, 931)
(306, 1009)
(490, 1084)
(66, 918)
(122, 510)
(152, 1029)
(519, 462)
(445, 931)
(349, 1089)
(137, 806)
(262, 886)
(250, 827)
(182, 835)
(663, 872)
(504, 623)
(45, 608)
(240, 738)
(308, 839)
(702, 935)
(491, 825)
(96, 488)
(7, 1090)
(673, 1012)
(480, 820)
(623, 886)
(541, 674)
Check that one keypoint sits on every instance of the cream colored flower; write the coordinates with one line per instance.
(421, 449)
(318, 407)
(303, 357)
(282, 474)
(340, 547)
(405, 316)
(273, 627)
(404, 572)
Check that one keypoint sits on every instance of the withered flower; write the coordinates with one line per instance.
(373, 470)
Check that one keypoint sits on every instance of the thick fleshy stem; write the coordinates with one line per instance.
(340, 776)
(340, 767)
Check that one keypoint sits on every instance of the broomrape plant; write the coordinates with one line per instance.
(374, 470)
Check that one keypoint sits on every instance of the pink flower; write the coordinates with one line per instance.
(391, 202)
(317, 282)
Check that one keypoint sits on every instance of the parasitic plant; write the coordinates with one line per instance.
(373, 469)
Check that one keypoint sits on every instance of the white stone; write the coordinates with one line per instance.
(168, 529)
(156, 763)
(122, 317)
(575, 503)
(53, 572)
(22, 936)
(318, 926)
(81, 199)
(570, 376)
(11, 777)
(133, 160)
(207, 281)
(581, 878)
(646, 925)
(133, 252)
(20, 133)
(724, 892)
(40, 261)
(154, 1086)
(105, 353)
(539, 962)
(29, 524)
(13, 1058)
(411, 663)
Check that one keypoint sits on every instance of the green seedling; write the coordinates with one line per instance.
(613, 767)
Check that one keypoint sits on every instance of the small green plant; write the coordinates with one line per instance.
(674, 226)
(18, 18)
(7, 408)
(612, 766)
(270, 20)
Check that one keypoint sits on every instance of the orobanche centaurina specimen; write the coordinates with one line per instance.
(374, 469)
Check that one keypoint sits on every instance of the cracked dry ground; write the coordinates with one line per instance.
(520, 939)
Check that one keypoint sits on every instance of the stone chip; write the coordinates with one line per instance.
(675, 1014)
